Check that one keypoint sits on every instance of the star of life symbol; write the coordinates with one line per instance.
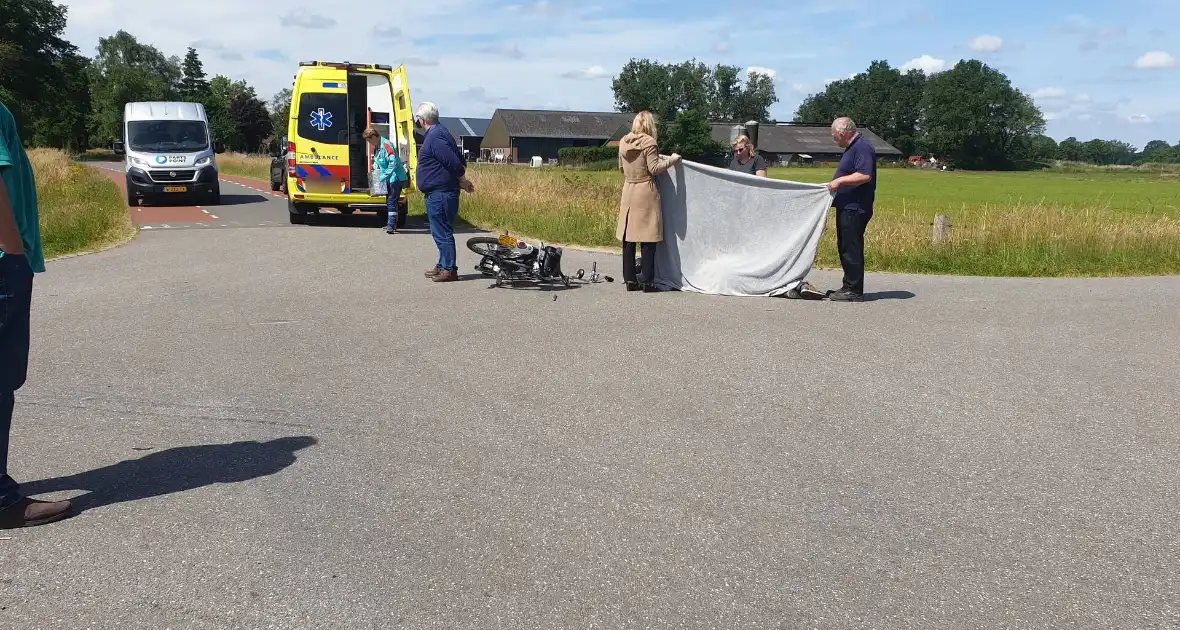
(321, 119)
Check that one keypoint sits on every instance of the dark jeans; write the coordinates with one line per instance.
(16, 295)
(850, 242)
(391, 199)
(442, 208)
(647, 270)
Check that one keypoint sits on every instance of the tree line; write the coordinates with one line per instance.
(971, 115)
(63, 99)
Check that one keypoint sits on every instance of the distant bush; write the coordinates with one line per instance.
(582, 156)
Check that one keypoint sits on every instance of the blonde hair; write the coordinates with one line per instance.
(745, 140)
(370, 133)
(644, 123)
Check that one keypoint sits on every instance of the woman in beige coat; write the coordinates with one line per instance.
(640, 216)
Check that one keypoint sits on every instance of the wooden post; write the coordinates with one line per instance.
(942, 229)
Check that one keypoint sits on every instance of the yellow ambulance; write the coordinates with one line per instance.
(328, 162)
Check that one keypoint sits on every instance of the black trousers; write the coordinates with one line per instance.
(850, 242)
(647, 270)
(16, 295)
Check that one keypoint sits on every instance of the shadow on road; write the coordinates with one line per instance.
(240, 200)
(888, 295)
(414, 224)
(175, 470)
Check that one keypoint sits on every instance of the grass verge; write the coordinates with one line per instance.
(81, 210)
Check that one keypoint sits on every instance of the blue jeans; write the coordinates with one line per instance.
(391, 199)
(16, 300)
(442, 208)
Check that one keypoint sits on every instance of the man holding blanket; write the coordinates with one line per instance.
(855, 188)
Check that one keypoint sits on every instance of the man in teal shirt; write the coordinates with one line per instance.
(20, 258)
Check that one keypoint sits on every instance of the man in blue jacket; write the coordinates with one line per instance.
(442, 173)
(855, 189)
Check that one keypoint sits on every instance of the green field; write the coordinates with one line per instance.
(1006, 224)
(1091, 223)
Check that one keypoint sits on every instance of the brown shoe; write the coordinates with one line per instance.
(31, 512)
(445, 276)
(433, 271)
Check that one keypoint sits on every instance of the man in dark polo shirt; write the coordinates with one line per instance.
(855, 187)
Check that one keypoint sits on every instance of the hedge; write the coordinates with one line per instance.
(582, 156)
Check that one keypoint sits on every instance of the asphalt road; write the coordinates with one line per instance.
(292, 428)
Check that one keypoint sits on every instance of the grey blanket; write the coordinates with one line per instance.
(730, 233)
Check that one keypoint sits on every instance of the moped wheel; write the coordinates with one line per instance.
(486, 246)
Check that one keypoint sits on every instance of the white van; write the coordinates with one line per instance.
(169, 153)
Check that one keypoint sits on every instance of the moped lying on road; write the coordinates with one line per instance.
(512, 260)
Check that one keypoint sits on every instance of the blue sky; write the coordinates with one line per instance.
(1097, 69)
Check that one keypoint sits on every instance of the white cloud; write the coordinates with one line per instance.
(478, 93)
(303, 18)
(801, 88)
(1082, 99)
(760, 70)
(593, 72)
(1051, 116)
(1138, 119)
(386, 32)
(927, 64)
(987, 43)
(1156, 59)
(1049, 93)
(508, 50)
(721, 47)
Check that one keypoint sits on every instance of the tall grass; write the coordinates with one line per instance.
(1093, 222)
(81, 210)
(1117, 227)
(242, 165)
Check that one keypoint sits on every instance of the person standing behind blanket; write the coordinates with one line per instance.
(391, 170)
(442, 173)
(855, 189)
(641, 219)
(745, 159)
(20, 258)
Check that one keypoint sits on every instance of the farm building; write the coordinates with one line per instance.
(520, 134)
(468, 132)
(794, 143)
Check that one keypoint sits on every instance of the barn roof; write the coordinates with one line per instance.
(788, 138)
(465, 127)
(535, 123)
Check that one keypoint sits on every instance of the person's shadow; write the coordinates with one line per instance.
(175, 470)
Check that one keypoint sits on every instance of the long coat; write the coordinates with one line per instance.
(640, 217)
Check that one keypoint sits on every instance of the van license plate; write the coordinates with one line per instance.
(175, 188)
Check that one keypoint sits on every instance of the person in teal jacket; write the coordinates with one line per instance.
(389, 168)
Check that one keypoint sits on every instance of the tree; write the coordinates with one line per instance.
(1070, 150)
(691, 136)
(38, 71)
(193, 86)
(882, 99)
(666, 90)
(1040, 150)
(972, 115)
(126, 71)
(280, 110)
(66, 110)
(251, 121)
(223, 91)
(1158, 151)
